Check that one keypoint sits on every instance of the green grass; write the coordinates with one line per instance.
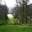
(12, 21)
(15, 28)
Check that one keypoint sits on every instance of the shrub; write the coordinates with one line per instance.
(2, 22)
(16, 22)
(10, 22)
(13, 21)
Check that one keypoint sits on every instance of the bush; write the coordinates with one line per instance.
(16, 22)
(13, 21)
(10, 22)
(2, 22)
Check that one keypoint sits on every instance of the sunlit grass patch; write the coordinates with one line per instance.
(11, 20)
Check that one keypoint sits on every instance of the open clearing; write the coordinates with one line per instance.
(15, 28)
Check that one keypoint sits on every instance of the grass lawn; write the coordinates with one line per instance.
(15, 28)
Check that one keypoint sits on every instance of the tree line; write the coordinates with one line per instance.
(23, 12)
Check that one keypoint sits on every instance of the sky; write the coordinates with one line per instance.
(30, 1)
(11, 3)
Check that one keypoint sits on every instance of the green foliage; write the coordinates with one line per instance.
(10, 22)
(16, 22)
(13, 21)
(2, 22)
(28, 20)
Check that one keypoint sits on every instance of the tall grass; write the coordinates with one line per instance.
(15, 28)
